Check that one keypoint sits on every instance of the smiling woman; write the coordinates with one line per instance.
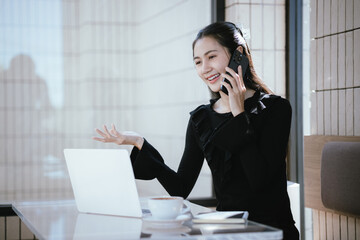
(210, 63)
(243, 136)
(212, 52)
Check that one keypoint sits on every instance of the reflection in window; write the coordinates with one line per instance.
(69, 66)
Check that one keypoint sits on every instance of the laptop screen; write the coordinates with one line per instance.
(103, 181)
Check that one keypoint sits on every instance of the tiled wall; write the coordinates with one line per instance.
(264, 25)
(167, 86)
(335, 76)
(335, 86)
(13, 228)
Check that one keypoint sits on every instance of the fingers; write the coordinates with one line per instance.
(107, 136)
(229, 78)
(99, 139)
(114, 131)
(241, 83)
(104, 139)
(232, 73)
(233, 79)
(107, 131)
(227, 86)
(100, 132)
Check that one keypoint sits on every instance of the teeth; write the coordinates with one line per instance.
(213, 77)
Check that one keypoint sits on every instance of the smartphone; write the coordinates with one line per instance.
(237, 59)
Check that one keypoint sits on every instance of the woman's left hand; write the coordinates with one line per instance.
(236, 92)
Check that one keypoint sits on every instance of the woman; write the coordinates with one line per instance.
(243, 136)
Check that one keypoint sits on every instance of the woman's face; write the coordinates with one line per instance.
(210, 60)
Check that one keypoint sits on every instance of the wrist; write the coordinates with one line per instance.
(238, 111)
(139, 142)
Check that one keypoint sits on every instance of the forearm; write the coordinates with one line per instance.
(148, 164)
(173, 183)
(181, 183)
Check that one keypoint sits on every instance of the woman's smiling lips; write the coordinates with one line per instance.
(213, 78)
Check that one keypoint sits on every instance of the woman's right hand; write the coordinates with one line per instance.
(120, 138)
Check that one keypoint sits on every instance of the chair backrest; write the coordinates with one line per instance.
(340, 177)
(327, 223)
(313, 148)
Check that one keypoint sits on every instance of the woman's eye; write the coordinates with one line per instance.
(212, 57)
(197, 63)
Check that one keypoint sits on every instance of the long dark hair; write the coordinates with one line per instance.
(231, 37)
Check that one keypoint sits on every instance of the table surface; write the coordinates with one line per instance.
(61, 220)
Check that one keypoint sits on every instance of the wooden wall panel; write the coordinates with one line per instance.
(316, 224)
(357, 226)
(322, 225)
(351, 228)
(12, 227)
(2, 227)
(332, 226)
(329, 225)
(343, 227)
(25, 232)
(336, 226)
(335, 104)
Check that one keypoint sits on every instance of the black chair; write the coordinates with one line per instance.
(340, 177)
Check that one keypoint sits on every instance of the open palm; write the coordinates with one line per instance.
(113, 136)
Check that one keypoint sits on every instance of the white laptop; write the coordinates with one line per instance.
(103, 181)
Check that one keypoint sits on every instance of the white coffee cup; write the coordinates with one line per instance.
(166, 207)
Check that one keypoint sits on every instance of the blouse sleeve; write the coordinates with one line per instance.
(260, 146)
(149, 164)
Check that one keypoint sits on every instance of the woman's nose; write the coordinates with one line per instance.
(206, 67)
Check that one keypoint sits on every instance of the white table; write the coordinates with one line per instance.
(61, 220)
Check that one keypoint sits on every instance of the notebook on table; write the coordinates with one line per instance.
(103, 181)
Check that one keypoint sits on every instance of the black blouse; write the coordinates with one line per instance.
(246, 155)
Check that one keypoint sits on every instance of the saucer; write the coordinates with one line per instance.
(166, 223)
(179, 230)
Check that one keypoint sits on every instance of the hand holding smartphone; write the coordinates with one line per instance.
(237, 59)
